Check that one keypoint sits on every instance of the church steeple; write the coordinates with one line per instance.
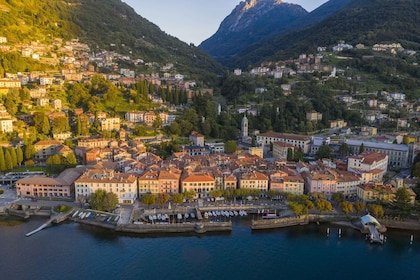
(244, 128)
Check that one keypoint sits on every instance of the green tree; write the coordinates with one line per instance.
(188, 195)
(13, 156)
(344, 150)
(324, 151)
(19, 155)
(109, 201)
(289, 154)
(96, 200)
(216, 193)
(403, 199)
(347, 207)
(230, 147)
(149, 199)
(8, 160)
(41, 123)
(362, 148)
(60, 124)
(56, 163)
(177, 198)
(359, 206)
(163, 198)
(29, 152)
(71, 160)
(2, 160)
(337, 197)
(376, 210)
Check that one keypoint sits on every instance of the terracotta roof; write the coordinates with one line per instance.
(297, 137)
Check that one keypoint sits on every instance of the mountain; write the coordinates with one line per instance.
(250, 22)
(358, 21)
(105, 24)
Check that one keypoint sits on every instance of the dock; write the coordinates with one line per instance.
(44, 225)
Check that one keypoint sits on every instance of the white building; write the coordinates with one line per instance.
(6, 125)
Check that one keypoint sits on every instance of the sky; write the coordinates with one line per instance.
(193, 21)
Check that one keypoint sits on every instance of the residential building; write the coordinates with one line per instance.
(122, 184)
(169, 180)
(6, 125)
(280, 149)
(109, 124)
(201, 183)
(46, 148)
(253, 180)
(197, 139)
(148, 183)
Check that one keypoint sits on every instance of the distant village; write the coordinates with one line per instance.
(124, 165)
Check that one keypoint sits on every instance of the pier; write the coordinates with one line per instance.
(58, 218)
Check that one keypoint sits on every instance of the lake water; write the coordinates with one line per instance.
(74, 251)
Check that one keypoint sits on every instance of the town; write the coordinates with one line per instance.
(94, 142)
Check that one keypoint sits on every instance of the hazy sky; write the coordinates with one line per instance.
(193, 21)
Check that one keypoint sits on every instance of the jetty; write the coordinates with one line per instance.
(372, 226)
(57, 218)
(279, 222)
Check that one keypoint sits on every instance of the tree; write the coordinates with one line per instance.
(56, 163)
(41, 123)
(359, 206)
(403, 199)
(2, 160)
(362, 148)
(188, 195)
(230, 147)
(71, 160)
(376, 210)
(13, 156)
(109, 201)
(216, 193)
(162, 198)
(19, 155)
(347, 207)
(29, 151)
(344, 150)
(324, 151)
(323, 205)
(60, 124)
(177, 198)
(96, 200)
(8, 160)
(149, 199)
(289, 154)
(337, 197)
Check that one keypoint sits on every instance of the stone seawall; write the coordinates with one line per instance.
(175, 228)
(278, 222)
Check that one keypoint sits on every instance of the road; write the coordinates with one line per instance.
(8, 196)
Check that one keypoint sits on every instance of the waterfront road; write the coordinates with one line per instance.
(8, 196)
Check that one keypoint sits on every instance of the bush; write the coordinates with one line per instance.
(1, 191)
(63, 208)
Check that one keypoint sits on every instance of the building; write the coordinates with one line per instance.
(94, 143)
(244, 129)
(313, 116)
(230, 182)
(122, 184)
(321, 182)
(280, 149)
(109, 124)
(6, 125)
(298, 141)
(285, 183)
(398, 155)
(168, 180)
(46, 148)
(201, 183)
(148, 183)
(197, 139)
(253, 180)
(368, 161)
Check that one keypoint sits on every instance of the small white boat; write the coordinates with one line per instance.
(154, 217)
(75, 213)
(192, 216)
(235, 213)
(231, 213)
(218, 213)
(116, 218)
(210, 214)
(214, 213)
(159, 216)
(151, 217)
(88, 215)
(83, 216)
(245, 213)
(187, 215)
(80, 214)
(206, 215)
(179, 216)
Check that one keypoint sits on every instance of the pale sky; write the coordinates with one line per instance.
(193, 21)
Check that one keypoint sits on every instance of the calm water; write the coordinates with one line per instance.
(73, 251)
